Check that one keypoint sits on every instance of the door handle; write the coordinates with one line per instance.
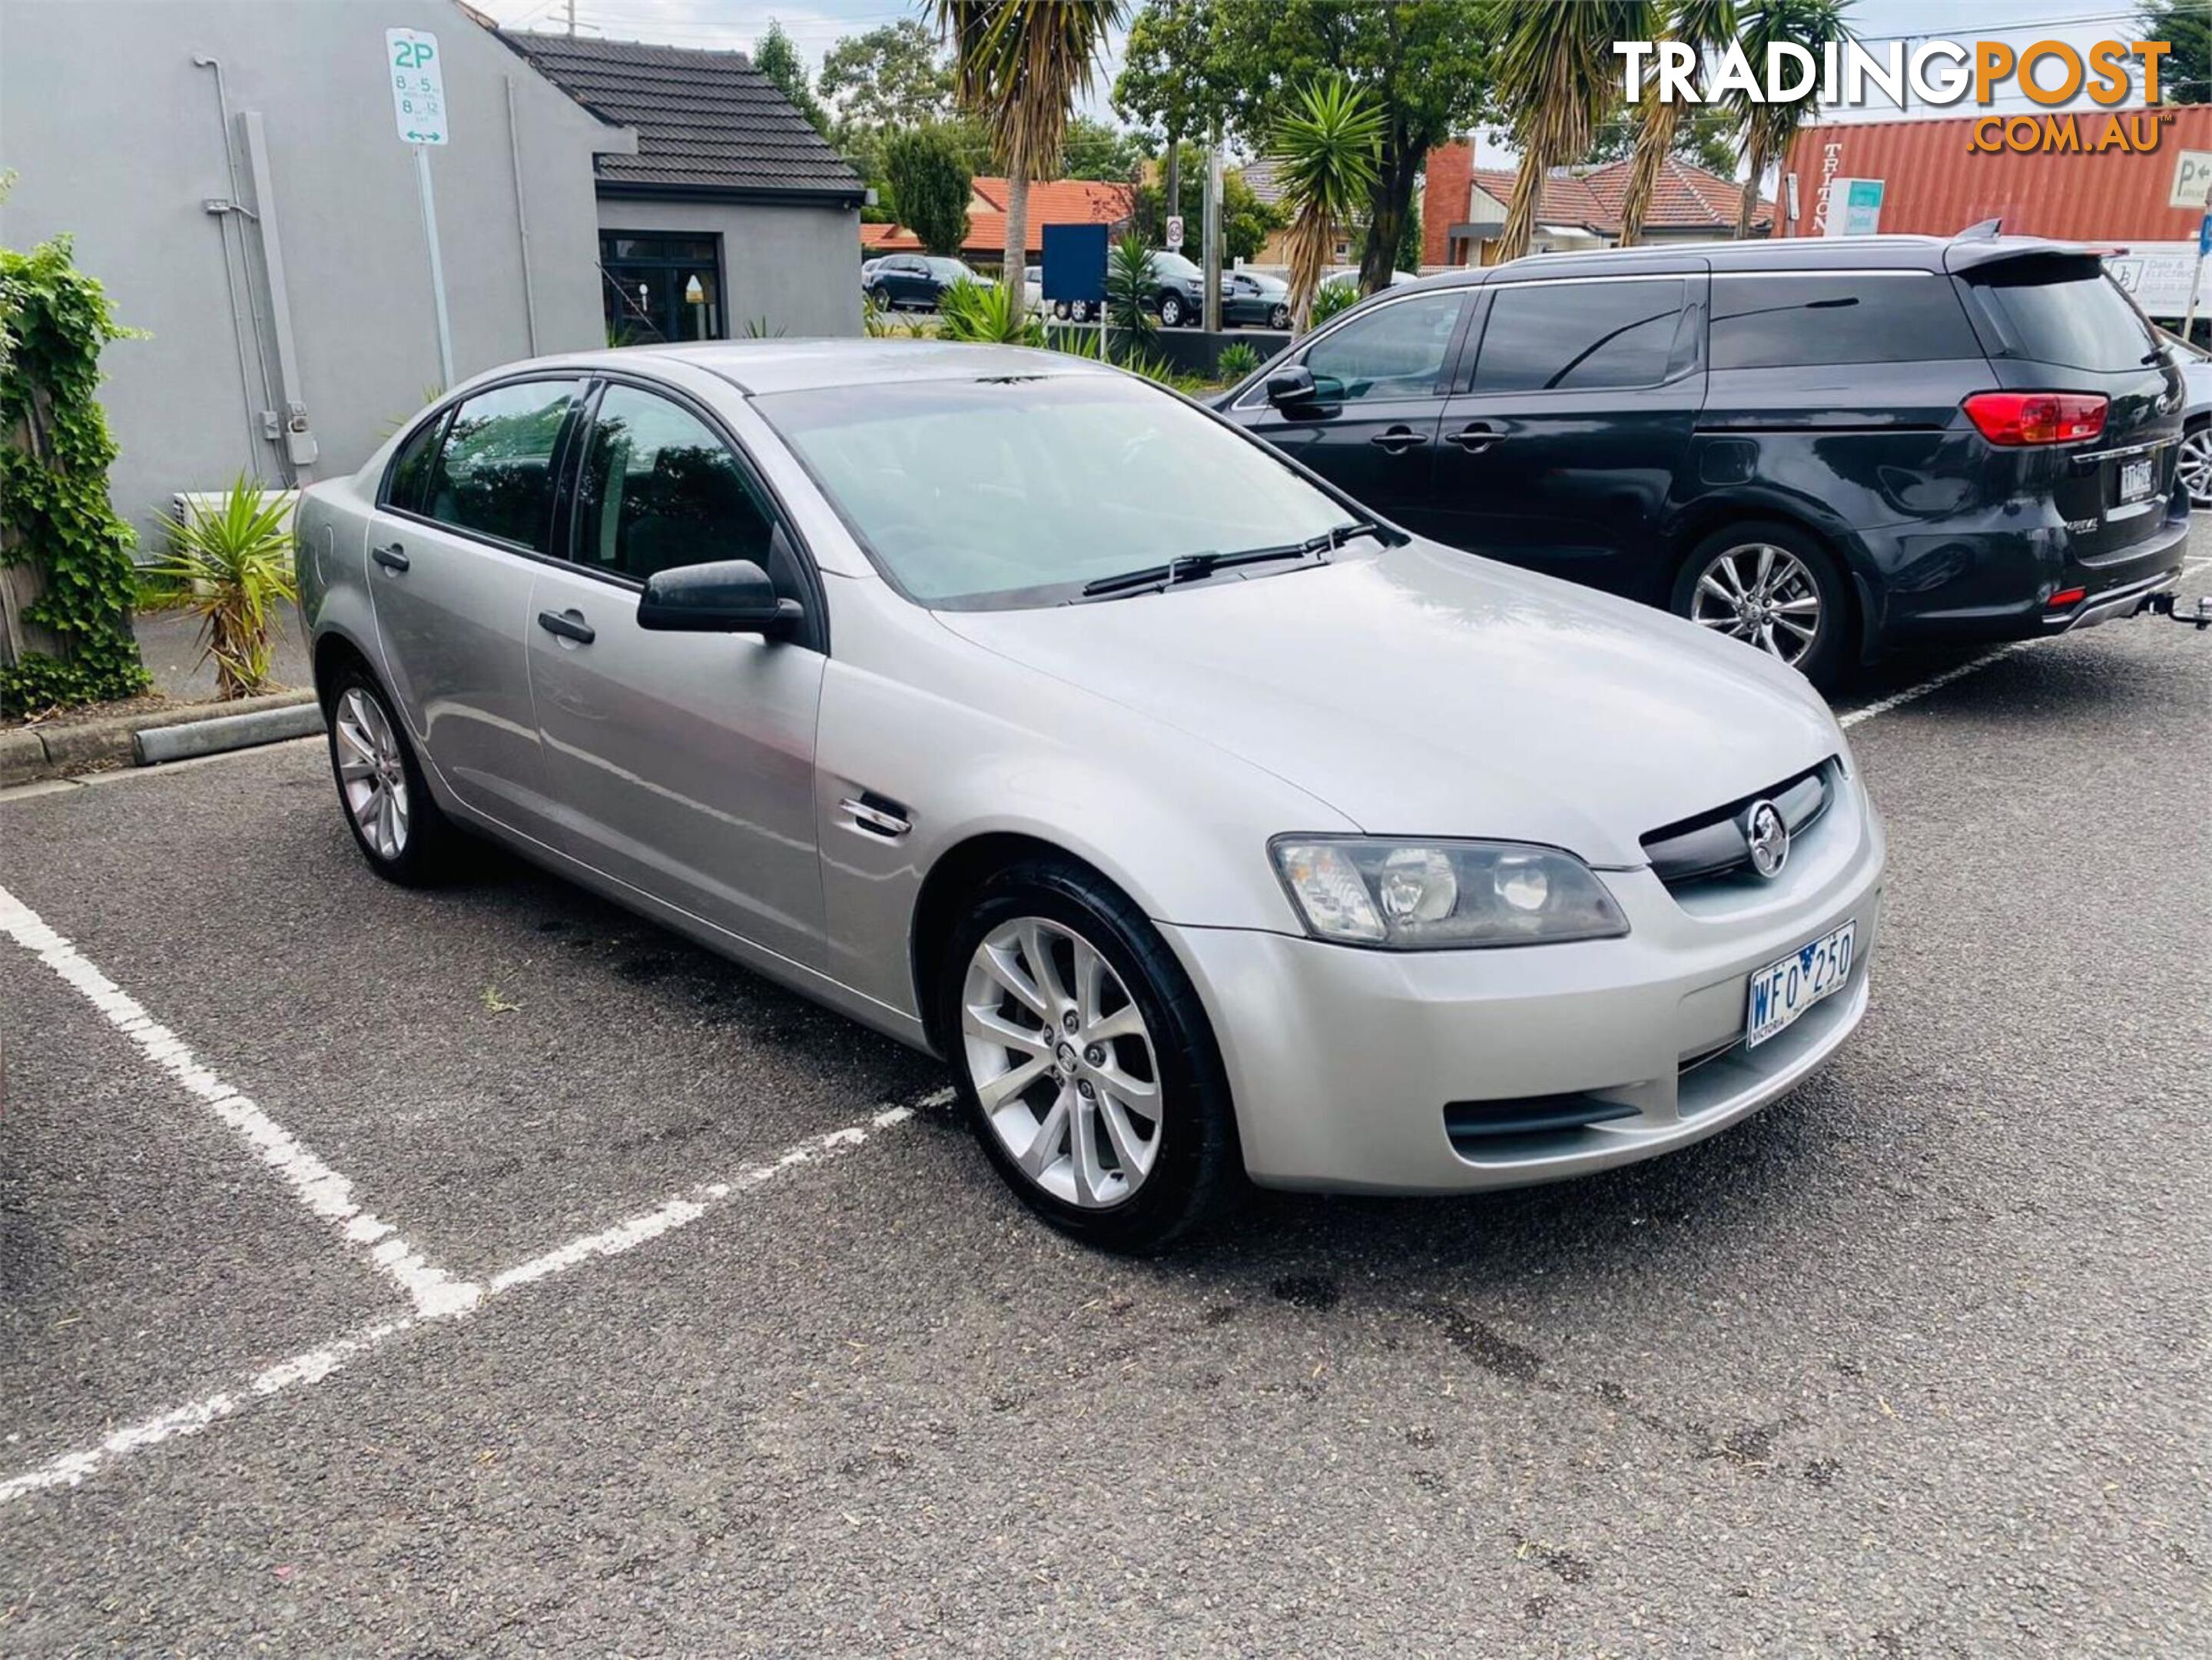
(1398, 440)
(1474, 437)
(392, 558)
(569, 624)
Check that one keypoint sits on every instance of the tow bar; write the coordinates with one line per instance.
(2162, 604)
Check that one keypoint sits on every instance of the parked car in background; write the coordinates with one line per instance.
(1823, 448)
(972, 692)
(1178, 291)
(916, 281)
(1033, 287)
(869, 267)
(1348, 276)
(2196, 464)
(1251, 299)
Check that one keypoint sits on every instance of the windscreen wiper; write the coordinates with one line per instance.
(1192, 567)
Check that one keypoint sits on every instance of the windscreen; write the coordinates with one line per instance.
(2066, 311)
(1017, 491)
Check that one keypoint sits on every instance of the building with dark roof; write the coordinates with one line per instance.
(1463, 207)
(734, 214)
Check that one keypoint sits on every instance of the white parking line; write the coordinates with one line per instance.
(1913, 693)
(312, 1366)
(322, 1189)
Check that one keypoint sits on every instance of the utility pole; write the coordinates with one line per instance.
(1172, 180)
(572, 19)
(1213, 222)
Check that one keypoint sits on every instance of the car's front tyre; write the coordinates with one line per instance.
(1171, 311)
(398, 827)
(1083, 1058)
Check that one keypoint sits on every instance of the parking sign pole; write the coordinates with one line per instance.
(437, 266)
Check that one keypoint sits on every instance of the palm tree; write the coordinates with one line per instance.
(1767, 129)
(1702, 25)
(1558, 77)
(1325, 151)
(1018, 64)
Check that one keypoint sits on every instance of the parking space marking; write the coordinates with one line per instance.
(322, 1189)
(314, 1366)
(1913, 693)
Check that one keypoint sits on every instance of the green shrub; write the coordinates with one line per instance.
(1237, 361)
(230, 565)
(996, 313)
(1128, 285)
(1331, 298)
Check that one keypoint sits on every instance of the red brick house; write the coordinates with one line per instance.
(1463, 208)
(1053, 202)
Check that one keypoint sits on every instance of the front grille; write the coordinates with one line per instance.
(1711, 845)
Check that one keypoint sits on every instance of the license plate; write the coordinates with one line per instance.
(1782, 991)
(2137, 479)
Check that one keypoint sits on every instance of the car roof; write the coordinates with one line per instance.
(765, 367)
(1970, 249)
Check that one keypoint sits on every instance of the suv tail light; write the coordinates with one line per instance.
(2013, 418)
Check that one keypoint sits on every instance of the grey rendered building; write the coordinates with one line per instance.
(232, 173)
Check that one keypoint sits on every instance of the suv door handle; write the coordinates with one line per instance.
(1475, 437)
(1398, 440)
(569, 624)
(392, 558)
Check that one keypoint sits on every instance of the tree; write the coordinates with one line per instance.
(1426, 65)
(1096, 150)
(1324, 151)
(1705, 134)
(893, 76)
(1557, 79)
(1019, 65)
(775, 57)
(931, 185)
(1247, 222)
(1767, 129)
(2186, 26)
(1702, 25)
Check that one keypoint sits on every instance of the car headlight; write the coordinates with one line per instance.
(1427, 896)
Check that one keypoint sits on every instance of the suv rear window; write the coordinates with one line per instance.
(1808, 318)
(2065, 312)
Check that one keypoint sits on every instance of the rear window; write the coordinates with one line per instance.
(1812, 318)
(2065, 312)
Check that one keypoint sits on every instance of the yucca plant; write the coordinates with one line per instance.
(232, 565)
(1237, 361)
(1702, 26)
(1324, 150)
(1128, 286)
(1557, 78)
(1333, 298)
(990, 312)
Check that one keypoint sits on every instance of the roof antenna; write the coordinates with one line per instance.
(1988, 231)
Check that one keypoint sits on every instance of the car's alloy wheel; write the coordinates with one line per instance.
(372, 774)
(2194, 465)
(1171, 311)
(1063, 1062)
(1280, 319)
(1762, 594)
(1081, 308)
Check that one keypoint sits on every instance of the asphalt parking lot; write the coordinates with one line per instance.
(487, 1270)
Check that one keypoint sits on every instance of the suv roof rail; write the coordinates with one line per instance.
(1987, 231)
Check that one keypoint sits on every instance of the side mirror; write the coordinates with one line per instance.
(1292, 388)
(730, 596)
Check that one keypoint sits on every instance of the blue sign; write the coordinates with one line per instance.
(2204, 237)
(1075, 263)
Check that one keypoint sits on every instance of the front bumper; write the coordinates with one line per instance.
(1344, 1063)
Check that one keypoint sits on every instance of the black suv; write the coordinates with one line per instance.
(1823, 447)
(915, 279)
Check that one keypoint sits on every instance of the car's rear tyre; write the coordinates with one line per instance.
(1083, 1058)
(1771, 585)
(2194, 465)
(398, 827)
(1280, 319)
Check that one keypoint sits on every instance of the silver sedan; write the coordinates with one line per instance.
(1026, 712)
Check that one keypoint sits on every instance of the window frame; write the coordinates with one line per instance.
(557, 462)
(1694, 305)
(722, 269)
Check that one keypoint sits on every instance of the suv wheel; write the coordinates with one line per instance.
(1080, 310)
(1171, 311)
(2194, 464)
(1084, 1060)
(398, 827)
(1771, 586)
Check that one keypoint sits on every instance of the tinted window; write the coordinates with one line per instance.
(2066, 312)
(495, 473)
(659, 490)
(1783, 322)
(1393, 351)
(410, 474)
(1576, 335)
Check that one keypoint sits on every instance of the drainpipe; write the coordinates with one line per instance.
(293, 432)
(522, 210)
(221, 210)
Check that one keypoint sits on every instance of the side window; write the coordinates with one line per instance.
(1578, 336)
(411, 473)
(493, 475)
(1395, 352)
(660, 490)
(1788, 322)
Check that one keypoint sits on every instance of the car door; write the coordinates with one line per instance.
(1567, 443)
(466, 513)
(1379, 379)
(684, 763)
